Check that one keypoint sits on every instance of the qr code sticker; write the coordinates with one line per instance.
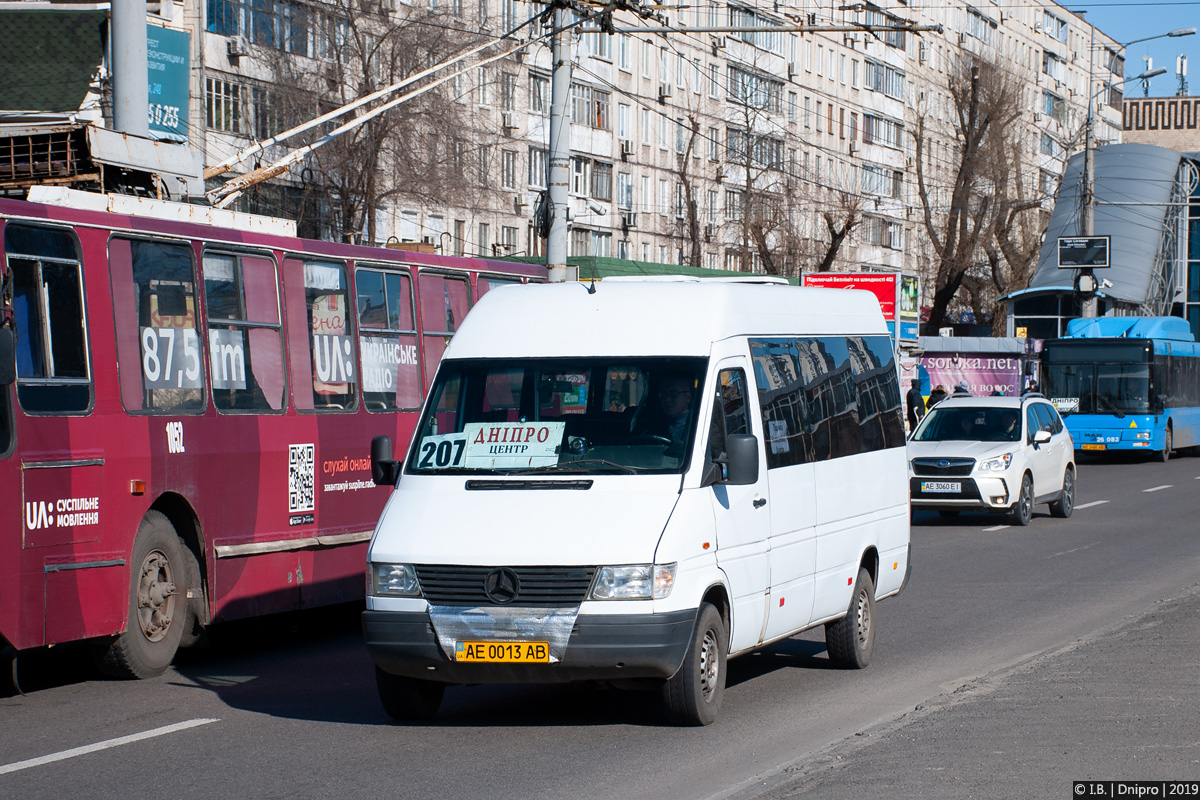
(301, 478)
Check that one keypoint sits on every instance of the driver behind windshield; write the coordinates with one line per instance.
(668, 415)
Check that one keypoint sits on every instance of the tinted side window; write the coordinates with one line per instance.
(730, 411)
(159, 358)
(245, 350)
(320, 339)
(485, 283)
(1032, 423)
(48, 320)
(387, 334)
(444, 302)
(827, 397)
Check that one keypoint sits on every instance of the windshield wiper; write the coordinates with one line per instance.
(1120, 414)
(569, 466)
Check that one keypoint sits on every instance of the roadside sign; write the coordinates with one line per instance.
(1083, 252)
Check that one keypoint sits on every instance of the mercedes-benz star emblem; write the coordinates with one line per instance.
(501, 585)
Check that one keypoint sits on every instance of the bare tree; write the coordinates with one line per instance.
(350, 49)
(984, 218)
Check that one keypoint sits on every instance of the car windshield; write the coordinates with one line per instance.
(567, 416)
(970, 424)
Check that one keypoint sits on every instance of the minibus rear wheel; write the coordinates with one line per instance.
(407, 699)
(157, 605)
(693, 695)
(850, 641)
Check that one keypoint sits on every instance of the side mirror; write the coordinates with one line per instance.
(1041, 437)
(8, 357)
(384, 470)
(741, 468)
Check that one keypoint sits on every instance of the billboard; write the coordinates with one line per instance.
(1083, 252)
(168, 59)
(881, 284)
(899, 295)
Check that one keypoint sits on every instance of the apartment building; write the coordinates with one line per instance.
(750, 148)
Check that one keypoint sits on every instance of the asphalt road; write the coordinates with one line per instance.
(287, 707)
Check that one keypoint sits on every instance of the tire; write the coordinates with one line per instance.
(1065, 504)
(408, 699)
(157, 605)
(193, 590)
(850, 640)
(692, 696)
(1165, 455)
(1022, 509)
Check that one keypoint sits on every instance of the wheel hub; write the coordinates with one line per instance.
(156, 596)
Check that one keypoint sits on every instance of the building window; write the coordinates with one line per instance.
(537, 167)
(539, 94)
(508, 169)
(881, 130)
(223, 104)
(601, 180)
(885, 79)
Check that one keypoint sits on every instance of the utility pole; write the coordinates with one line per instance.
(559, 173)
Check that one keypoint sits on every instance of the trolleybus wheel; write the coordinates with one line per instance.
(850, 640)
(157, 605)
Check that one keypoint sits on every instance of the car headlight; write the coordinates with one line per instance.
(997, 463)
(634, 582)
(394, 580)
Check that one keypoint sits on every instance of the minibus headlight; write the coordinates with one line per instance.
(634, 582)
(997, 463)
(394, 580)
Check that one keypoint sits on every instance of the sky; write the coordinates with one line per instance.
(1126, 20)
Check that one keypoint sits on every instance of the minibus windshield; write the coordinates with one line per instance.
(580, 416)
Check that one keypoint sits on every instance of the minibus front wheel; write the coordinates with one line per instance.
(407, 699)
(693, 695)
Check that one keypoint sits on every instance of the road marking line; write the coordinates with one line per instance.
(996, 528)
(1091, 504)
(105, 745)
(1157, 488)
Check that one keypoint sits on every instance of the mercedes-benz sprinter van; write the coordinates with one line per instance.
(633, 481)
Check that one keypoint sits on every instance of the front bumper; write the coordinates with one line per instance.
(601, 647)
(990, 493)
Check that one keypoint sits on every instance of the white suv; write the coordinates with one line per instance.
(993, 454)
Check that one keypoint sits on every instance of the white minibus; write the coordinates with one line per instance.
(634, 480)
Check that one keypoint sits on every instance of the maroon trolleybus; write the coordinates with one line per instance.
(185, 435)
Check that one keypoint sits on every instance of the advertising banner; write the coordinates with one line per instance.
(881, 284)
(983, 373)
(910, 306)
(168, 56)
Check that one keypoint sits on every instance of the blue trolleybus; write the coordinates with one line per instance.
(1126, 383)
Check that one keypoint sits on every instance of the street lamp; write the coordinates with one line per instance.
(1086, 282)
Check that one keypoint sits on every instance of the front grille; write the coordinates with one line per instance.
(932, 467)
(455, 585)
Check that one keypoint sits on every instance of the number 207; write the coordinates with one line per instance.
(441, 454)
